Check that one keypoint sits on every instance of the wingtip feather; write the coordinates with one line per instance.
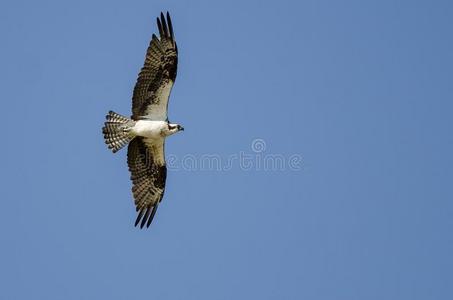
(151, 217)
(170, 27)
(145, 218)
(159, 27)
(164, 25)
(139, 217)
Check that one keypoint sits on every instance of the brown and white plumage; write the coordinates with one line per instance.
(148, 178)
(158, 74)
(148, 127)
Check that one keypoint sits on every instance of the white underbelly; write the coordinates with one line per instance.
(151, 129)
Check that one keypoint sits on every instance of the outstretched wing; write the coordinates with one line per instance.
(156, 79)
(146, 162)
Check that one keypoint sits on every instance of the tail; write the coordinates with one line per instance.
(116, 131)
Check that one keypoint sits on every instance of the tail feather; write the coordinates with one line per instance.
(116, 131)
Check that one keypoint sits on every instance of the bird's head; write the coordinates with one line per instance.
(174, 128)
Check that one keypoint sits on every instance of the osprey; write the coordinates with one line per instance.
(148, 126)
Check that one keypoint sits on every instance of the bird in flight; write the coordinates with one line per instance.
(148, 127)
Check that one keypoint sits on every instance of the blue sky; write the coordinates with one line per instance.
(360, 90)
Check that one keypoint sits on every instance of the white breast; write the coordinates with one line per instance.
(151, 129)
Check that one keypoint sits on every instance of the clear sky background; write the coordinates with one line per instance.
(361, 90)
